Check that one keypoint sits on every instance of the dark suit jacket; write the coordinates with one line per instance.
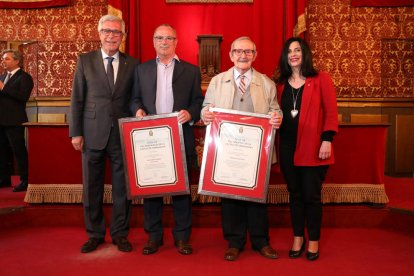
(186, 83)
(13, 98)
(95, 108)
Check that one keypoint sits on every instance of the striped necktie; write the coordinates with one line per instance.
(242, 85)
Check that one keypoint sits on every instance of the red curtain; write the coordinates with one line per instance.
(129, 12)
(381, 3)
(268, 22)
(294, 18)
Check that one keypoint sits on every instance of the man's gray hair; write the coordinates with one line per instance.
(166, 25)
(17, 55)
(112, 18)
(243, 38)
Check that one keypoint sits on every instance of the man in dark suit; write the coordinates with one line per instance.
(164, 85)
(100, 94)
(15, 88)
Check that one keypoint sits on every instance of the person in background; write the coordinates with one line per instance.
(163, 85)
(15, 88)
(101, 90)
(308, 100)
(243, 88)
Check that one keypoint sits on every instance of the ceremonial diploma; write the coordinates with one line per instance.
(238, 155)
(154, 156)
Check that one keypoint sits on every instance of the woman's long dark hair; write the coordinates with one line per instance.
(283, 71)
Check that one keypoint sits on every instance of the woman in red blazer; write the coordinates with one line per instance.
(308, 102)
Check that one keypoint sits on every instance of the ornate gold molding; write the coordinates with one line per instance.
(375, 102)
(49, 101)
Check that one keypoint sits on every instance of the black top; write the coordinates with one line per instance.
(289, 127)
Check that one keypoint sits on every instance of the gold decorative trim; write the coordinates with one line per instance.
(117, 12)
(342, 102)
(331, 193)
(300, 26)
(48, 101)
(51, 118)
(375, 102)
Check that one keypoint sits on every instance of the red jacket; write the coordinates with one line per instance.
(318, 113)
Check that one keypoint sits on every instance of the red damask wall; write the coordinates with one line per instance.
(368, 51)
(58, 35)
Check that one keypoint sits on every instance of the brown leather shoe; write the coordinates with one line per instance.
(268, 252)
(151, 247)
(123, 244)
(183, 247)
(231, 254)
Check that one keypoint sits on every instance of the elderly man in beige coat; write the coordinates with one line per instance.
(243, 88)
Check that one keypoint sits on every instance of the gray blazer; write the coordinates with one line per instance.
(95, 108)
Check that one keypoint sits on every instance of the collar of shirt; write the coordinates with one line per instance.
(175, 58)
(115, 62)
(13, 72)
(104, 56)
(247, 74)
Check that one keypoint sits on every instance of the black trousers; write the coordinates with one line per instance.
(182, 217)
(181, 208)
(239, 217)
(304, 186)
(93, 166)
(13, 136)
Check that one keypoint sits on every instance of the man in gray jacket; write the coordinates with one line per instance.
(101, 91)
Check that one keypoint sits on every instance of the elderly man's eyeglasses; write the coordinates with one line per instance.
(247, 52)
(115, 33)
(162, 38)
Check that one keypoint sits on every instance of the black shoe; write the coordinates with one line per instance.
(123, 244)
(312, 256)
(151, 247)
(91, 245)
(293, 254)
(183, 247)
(5, 182)
(21, 187)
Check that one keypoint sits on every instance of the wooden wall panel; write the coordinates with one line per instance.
(404, 145)
(369, 118)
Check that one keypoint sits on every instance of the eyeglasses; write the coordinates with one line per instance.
(114, 33)
(247, 52)
(162, 38)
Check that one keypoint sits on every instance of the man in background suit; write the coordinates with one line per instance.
(164, 85)
(15, 88)
(100, 94)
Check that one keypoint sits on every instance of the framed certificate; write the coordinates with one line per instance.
(154, 156)
(237, 156)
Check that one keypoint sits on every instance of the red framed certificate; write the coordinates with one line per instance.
(237, 156)
(154, 156)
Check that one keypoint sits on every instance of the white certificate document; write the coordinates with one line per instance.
(237, 155)
(154, 156)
